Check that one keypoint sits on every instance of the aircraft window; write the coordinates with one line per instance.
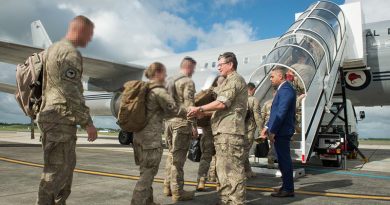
(246, 60)
(213, 65)
(206, 64)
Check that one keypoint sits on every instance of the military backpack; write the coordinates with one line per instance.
(132, 109)
(29, 78)
(171, 88)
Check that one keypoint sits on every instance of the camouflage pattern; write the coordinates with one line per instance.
(59, 155)
(228, 127)
(252, 122)
(230, 168)
(208, 150)
(233, 93)
(62, 103)
(148, 147)
(265, 113)
(178, 134)
(300, 91)
(212, 170)
(62, 100)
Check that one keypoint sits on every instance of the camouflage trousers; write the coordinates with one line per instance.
(208, 150)
(149, 161)
(249, 143)
(178, 139)
(271, 154)
(230, 168)
(59, 156)
(212, 169)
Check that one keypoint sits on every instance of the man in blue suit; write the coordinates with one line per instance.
(280, 128)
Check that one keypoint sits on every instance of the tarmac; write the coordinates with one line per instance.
(106, 174)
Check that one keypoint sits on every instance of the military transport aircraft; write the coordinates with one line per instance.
(329, 37)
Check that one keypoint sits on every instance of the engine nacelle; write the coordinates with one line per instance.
(103, 104)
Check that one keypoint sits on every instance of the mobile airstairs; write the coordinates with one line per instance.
(314, 48)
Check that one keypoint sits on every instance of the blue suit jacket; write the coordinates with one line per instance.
(282, 116)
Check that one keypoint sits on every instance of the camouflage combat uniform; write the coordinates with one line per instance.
(228, 127)
(63, 107)
(265, 113)
(252, 122)
(300, 90)
(178, 132)
(206, 143)
(148, 146)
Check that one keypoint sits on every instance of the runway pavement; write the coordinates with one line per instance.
(106, 174)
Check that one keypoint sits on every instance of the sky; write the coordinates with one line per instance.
(127, 30)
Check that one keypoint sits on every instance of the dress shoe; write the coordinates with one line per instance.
(277, 189)
(283, 193)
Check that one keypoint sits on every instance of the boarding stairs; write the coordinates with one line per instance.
(313, 49)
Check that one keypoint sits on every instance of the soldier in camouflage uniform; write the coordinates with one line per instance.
(63, 108)
(252, 121)
(300, 91)
(228, 125)
(265, 113)
(148, 147)
(207, 140)
(179, 131)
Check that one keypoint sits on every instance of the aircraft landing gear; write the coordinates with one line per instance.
(125, 138)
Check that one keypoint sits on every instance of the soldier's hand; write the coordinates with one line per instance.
(92, 133)
(192, 111)
(263, 132)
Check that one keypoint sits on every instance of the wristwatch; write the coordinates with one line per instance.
(201, 109)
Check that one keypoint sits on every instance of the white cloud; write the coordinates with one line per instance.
(219, 3)
(232, 32)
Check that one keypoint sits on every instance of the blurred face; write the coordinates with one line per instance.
(85, 36)
(276, 78)
(160, 76)
(251, 91)
(224, 68)
(188, 68)
(290, 75)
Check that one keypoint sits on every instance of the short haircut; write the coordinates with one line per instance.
(153, 69)
(188, 58)
(229, 57)
(251, 85)
(84, 20)
(281, 70)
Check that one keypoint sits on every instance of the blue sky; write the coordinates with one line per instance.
(268, 18)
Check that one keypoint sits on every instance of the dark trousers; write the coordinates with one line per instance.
(282, 149)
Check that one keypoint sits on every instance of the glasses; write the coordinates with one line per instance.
(220, 64)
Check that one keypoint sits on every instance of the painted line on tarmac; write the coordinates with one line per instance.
(193, 183)
(348, 173)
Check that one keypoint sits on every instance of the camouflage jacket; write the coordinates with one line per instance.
(62, 99)
(233, 93)
(159, 105)
(254, 119)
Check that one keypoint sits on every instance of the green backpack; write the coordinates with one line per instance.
(132, 110)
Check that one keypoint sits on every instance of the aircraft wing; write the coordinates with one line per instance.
(7, 88)
(101, 75)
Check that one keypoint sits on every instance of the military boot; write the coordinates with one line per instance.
(182, 196)
(167, 190)
(201, 184)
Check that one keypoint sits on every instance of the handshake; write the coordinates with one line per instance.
(195, 112)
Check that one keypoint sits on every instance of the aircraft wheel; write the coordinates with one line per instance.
(125, 138)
